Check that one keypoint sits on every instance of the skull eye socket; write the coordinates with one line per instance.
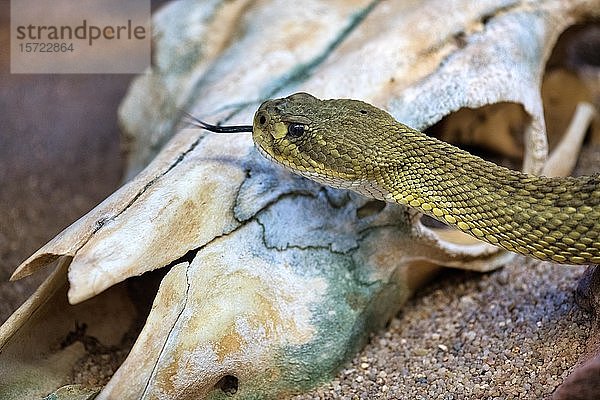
(295, 130)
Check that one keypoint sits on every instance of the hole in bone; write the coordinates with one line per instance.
(576, 47)
(584, 51)
(228, 385)
(431, 222)
(494, 132)
(370, 208)
(562, 90)
(571, 77)
(447, 233)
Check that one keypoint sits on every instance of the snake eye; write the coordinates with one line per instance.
(295, 130)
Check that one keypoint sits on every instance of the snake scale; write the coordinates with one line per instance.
(350, 144)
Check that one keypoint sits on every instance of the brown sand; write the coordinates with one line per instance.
(512, 334)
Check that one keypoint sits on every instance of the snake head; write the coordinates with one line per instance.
(329, 141)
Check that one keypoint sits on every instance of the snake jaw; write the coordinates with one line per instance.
(365, 187)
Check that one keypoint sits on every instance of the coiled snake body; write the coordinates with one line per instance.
(353, 145)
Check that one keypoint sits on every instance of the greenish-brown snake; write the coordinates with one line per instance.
(350, 144)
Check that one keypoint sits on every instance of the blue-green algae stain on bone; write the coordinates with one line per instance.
(343, 319)
(351, 307)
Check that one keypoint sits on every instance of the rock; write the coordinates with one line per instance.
(588, 290)
(582, 384)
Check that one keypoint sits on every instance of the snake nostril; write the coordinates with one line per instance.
(262, 120)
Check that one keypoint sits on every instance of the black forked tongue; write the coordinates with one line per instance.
(219, 129)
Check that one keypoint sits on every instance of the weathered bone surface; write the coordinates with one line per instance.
(274, 281)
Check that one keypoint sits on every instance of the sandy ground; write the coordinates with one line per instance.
(511, 334)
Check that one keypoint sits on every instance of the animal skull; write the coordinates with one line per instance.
(273, 280)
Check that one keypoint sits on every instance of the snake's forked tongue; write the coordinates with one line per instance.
(219, 129)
